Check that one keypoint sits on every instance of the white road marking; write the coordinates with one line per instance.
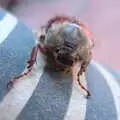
(77, 104)
(115, 89)
(17, 98)
(7, 24)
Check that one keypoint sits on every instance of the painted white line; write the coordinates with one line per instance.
(115, 89)
(17, 98)
(7, 24)
(77, 104)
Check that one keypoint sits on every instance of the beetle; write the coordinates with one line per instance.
(67, 44)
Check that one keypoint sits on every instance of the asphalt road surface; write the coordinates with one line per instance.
(45, 94)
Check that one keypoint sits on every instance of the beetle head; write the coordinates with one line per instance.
(65, 36)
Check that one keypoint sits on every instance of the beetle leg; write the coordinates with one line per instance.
(30, 62)
(78, 79)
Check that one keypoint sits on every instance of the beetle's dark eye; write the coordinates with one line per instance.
(42, 38)
(66, 60)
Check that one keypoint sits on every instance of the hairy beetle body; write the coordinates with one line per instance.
(67, 45)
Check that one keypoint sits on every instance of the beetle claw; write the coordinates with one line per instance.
(88, 95)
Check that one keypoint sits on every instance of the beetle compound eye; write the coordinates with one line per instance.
(42, 37)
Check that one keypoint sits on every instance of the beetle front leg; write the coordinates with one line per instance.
(30, 62)
(77, 70)
(85, 89)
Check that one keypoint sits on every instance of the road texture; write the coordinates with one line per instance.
(47, 95)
